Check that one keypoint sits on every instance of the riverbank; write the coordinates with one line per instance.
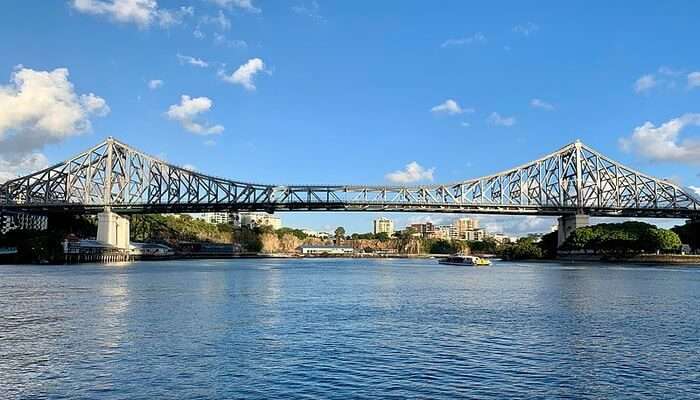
(665, 259)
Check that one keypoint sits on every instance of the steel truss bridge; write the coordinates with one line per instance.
(572, 180)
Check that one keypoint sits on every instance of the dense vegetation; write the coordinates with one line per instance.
(689, 233)
(529, 248)
(177, 228)
(623, 239)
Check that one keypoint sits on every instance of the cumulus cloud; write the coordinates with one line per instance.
(413, 172)
(154, 84)
(517, 225)
(449, 107)
(245, 73)
(474, 39)
(541, 104)
(246, 5)
(662, 143)
(41, 107)
(526, 29)
(188, 110)
(499, 120)
(143, 13)
(645, 83)
(694, 79)
(197, 62)
(13, 167)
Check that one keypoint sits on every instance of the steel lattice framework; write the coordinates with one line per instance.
(574, 179)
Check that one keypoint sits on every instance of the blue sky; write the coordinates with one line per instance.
(349, 92)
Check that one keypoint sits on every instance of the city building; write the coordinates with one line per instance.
(315, 234)
(325, 249)
(474, 235)
(384, 225)
(466, 224)
(423, 230)
(253, 219)
(501, 238)
(214, 217)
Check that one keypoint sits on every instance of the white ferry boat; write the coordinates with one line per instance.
(465, 260)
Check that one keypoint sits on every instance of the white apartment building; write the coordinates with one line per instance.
(384, 225)
(214, 217)
(253, 219)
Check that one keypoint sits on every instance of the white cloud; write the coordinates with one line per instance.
(696, 189)
(312, 11)
(413, 172)
(210, 142)
(662, 143)
(140, 12)
(188, 110)
(450, 107)
(168, 18)
(154, 84)
(517, 225)
(499, 120)
(198, 34)
(246, 5)
(541, 104)
(465, 124)
(526, 29)
(245, 73)
(192, 61)
(13, 167)
(694, 79)
(220, 21)
(645, 83)
(41, 107)
(474, 39)
(221, 40)
(668, 71)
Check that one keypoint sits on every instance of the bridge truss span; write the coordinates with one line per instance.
(573, 180)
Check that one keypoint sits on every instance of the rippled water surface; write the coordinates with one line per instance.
(348, 329)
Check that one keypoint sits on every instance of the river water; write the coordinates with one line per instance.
(345, 329)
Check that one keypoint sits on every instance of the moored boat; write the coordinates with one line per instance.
(465, 260)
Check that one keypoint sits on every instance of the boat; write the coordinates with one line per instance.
(465, 260)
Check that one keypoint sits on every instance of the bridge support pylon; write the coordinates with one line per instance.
(568, 223)
(113, 229)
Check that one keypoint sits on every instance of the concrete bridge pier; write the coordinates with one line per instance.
(567, 224)
(113, 229)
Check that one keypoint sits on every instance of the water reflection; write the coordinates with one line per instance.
(348, 328)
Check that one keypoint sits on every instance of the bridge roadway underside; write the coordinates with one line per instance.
(357, 207)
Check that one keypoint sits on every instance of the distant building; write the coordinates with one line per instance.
(259, 219)
(326, 249)
(466, 224)
(150, 249)
(474, 235)
(315, 234)
(424, 230)
(214, 217)
(384, 225)
(500, 238)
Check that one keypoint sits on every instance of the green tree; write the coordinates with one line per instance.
(661, 240)
(339, 233)
(689, 233)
